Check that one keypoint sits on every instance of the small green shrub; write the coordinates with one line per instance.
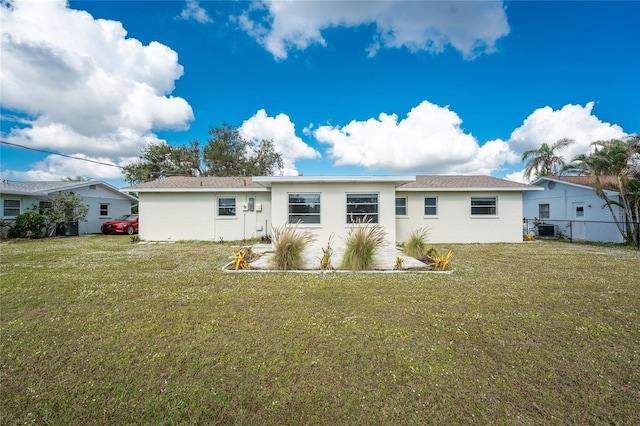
(362, 243)
(289, 244)
(416, 245)
(399, 264)
(28, 225)
(325, 260)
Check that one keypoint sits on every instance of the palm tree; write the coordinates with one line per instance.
(619, 159)
(544, 161)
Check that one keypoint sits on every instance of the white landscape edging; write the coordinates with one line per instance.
(227, 268)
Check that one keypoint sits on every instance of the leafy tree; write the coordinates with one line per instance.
(265, 161)
(229, 154)
(225, 154)
(620, 159)
(65, 207)
(544, 161)
(161, 160)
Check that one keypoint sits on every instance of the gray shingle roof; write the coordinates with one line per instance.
(607, 182)
(45, 188)
(459, 182)
(38, 187)
(425, 182)
(198, 182)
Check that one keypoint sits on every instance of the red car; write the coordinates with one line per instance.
(125, 224)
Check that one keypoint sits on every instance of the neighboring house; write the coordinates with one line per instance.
(569, 206)
(105, 201)
(454, 208)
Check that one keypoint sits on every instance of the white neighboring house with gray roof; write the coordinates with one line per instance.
(570, 206)
(105, 201)
(456, 209)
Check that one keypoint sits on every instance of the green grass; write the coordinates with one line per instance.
(96, 330)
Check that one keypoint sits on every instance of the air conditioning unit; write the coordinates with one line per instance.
(546, 230)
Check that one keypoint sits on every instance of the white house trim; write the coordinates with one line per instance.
(398, 180)
(401, 189)
(204, 190)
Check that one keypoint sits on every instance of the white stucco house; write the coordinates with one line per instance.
(569, 206)
(105, 201)
(456, 209)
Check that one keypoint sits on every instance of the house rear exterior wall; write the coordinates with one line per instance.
(333, 207)
(598, 222)
(454, 222)
(194, 216)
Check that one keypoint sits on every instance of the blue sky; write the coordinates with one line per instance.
(342, 88)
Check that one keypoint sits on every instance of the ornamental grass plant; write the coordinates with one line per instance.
(289, 243)
(363, 242)
(416, 244)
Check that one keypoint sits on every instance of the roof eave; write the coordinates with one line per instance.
(397, 180)
(577, 185)
(209, 190)
(472, 189)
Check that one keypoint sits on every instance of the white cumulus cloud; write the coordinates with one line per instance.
(100, 93)
(54, 167)
(546, 125)
(471, 27)
(429, 139)
(193, 10)
(517, 177)
(576, 122)
(282, 131)
(491, 157)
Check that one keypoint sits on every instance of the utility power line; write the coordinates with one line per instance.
(62, 155)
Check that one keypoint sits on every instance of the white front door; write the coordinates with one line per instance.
(579, 231)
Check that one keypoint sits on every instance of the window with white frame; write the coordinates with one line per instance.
(226, 206)
(304, 208)
(362, 208)
(484, 206)
(543, 211)
(104, 209)
(430, 206)
(401, 206)
(11, 208)
(44, 206)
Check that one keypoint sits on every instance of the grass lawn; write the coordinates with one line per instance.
(96, 330)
